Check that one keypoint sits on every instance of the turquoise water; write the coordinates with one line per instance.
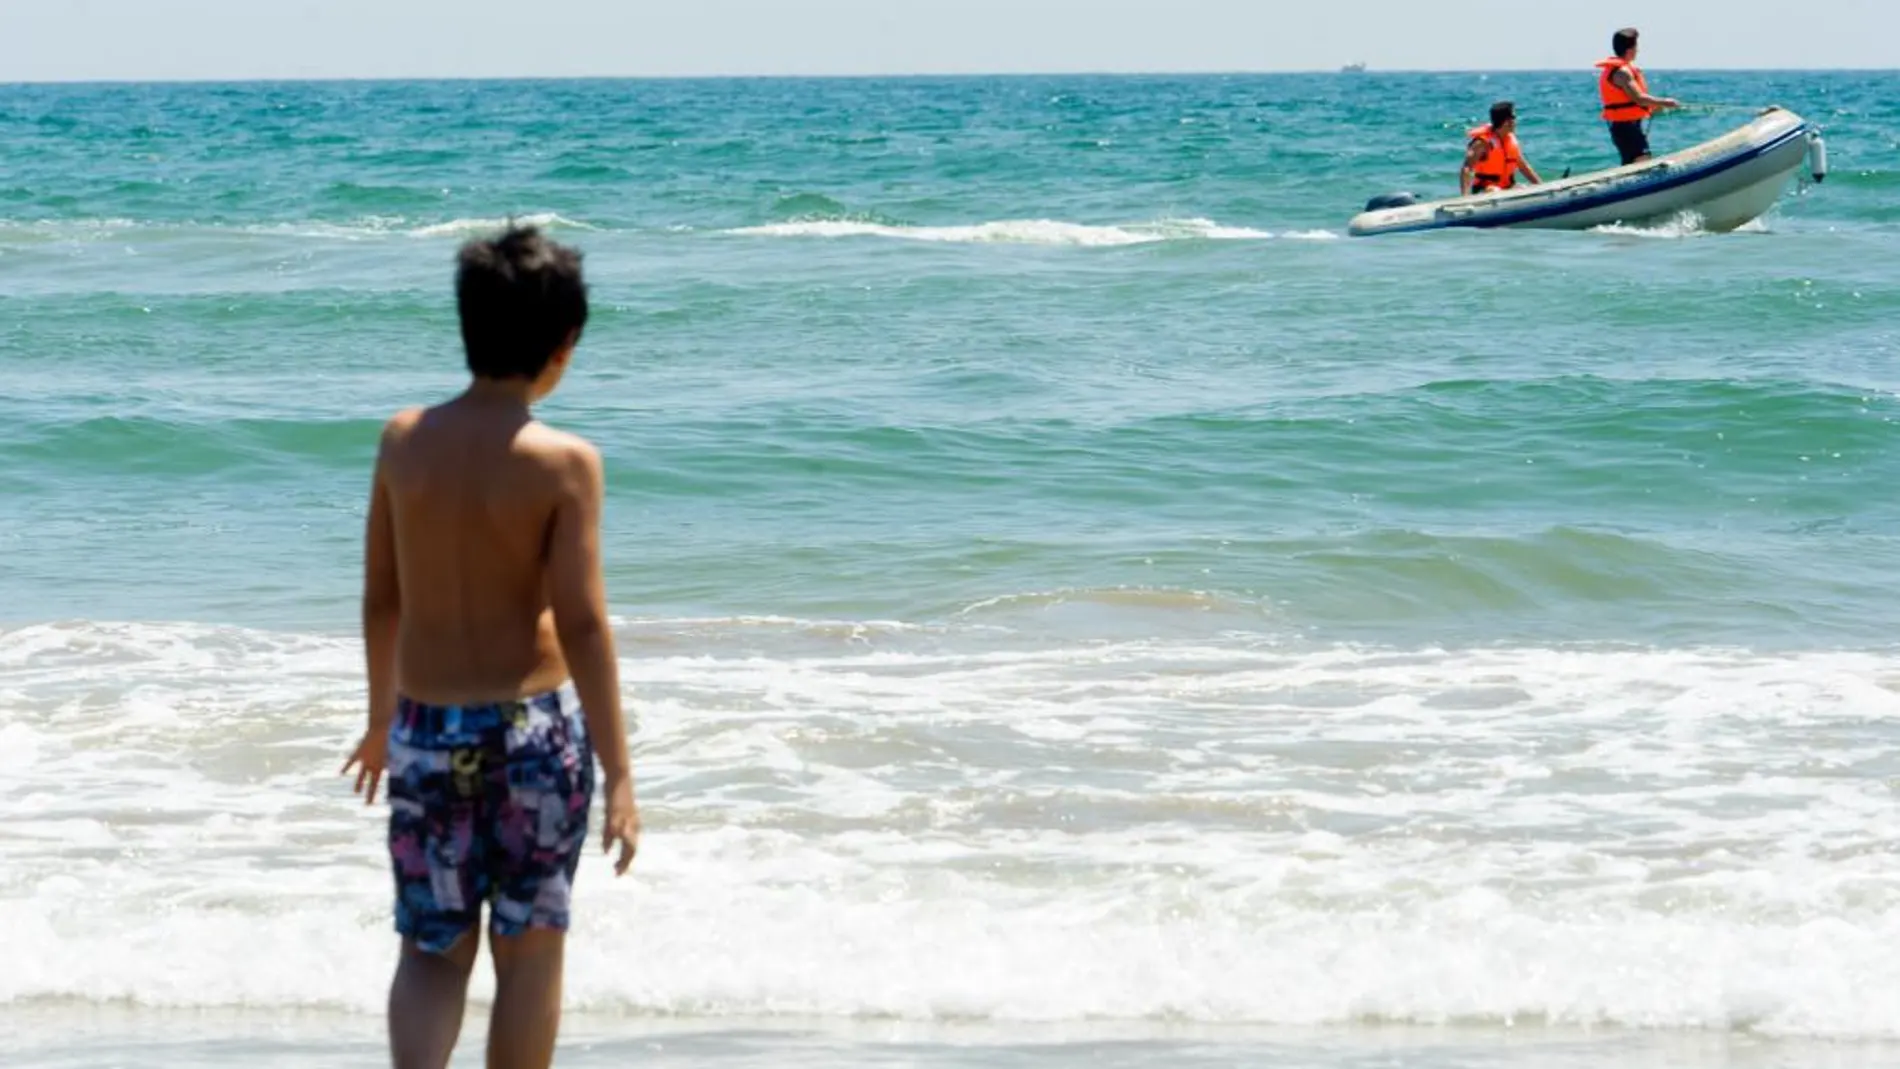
(1054, 563)
(215, 292)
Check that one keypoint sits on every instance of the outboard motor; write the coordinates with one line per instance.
(1817, 156)
(1391, 200)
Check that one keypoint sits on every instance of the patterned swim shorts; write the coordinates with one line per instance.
(488, 803)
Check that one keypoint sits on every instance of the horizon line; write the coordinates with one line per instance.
(887, 76)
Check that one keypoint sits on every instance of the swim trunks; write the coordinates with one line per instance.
(488, 803)
(1632, 141)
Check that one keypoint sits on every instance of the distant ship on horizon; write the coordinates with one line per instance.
(1354, 68)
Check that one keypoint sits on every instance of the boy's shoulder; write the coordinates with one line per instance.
(563, 448)
(558, 451)
(402, 424)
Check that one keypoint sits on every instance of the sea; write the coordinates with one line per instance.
(1077, 606)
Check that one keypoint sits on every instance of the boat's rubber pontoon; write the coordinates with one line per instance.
(1724, 183)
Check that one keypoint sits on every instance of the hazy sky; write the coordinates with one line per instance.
(218, 39)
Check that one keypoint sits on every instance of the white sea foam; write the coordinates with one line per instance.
(1015, 231)
(1683, 224)
(384, 226)
(358, 229)
(928, 825)
(471, 227)
(373, 227)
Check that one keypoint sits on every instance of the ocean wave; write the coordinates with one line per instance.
(805, 217)
(1685, 224)
(1023, 232)
(472, 227)
(149, 446)
(356, 229)
(401, 226)
(1217, 831)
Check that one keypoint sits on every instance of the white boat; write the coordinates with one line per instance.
(1723, 183)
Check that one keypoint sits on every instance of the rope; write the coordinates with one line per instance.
(1715, 107)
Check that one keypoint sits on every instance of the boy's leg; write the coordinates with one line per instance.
(426, 1002)
(539, 829)
(527, 1014)
(435, 757)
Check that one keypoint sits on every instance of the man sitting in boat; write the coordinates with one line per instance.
(1492, 155)
(1626, 98)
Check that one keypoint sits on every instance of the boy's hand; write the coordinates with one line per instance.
(622, 824)
(369, 760)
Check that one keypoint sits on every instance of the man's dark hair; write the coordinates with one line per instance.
(1502, 112)
(1623, 41)
(521, 297)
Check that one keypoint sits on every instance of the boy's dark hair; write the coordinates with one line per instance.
(1623, 41)
(1502, 112)
(521, 297)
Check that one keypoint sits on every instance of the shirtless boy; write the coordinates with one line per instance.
(485, 626)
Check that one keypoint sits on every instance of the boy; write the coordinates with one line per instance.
(485, 627)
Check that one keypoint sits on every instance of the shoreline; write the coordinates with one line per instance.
(75, 1034)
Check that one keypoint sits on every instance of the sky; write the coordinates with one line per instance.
(64, 40)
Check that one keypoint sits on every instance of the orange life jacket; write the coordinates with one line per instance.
(1498, 167)
(1619, 105)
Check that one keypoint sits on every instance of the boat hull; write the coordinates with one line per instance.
(1724, 183)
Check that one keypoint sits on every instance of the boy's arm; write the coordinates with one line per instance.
(382, 604)
(577, 593)
(382, 613)
(1473, 153)
(1627, 83)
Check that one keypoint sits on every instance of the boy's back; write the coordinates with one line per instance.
(493, 682)
(477, 496)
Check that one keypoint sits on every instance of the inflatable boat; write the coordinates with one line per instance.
(1724, 183)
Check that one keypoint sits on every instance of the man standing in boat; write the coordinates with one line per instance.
(1627, 102)
(1492, 155)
